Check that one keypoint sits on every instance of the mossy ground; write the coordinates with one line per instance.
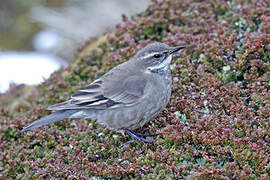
(216, 125)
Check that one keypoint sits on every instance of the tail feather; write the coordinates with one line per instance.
(57, 116)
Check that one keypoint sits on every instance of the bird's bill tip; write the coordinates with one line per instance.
(176, 48)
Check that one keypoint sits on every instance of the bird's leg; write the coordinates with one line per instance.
(139, 137)
(127, 143)
(142, 135)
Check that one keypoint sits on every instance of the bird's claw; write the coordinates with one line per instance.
(139, 137)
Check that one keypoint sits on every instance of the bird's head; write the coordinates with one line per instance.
(156, 56)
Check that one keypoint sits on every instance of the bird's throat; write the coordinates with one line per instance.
(163, 66)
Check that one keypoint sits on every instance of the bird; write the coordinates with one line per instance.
(125, 98)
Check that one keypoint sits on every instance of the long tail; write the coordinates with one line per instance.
(57, 116)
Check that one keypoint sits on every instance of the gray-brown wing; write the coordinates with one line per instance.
(127, 91)
(110, 91)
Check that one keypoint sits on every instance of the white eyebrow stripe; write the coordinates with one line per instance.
(149, 55)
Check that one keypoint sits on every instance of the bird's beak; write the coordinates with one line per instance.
(175, 49)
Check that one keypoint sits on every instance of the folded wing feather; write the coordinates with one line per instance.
(105, 93)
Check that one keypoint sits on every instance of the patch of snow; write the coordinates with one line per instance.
(29, 68)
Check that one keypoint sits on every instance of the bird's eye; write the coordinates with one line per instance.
(157, 55)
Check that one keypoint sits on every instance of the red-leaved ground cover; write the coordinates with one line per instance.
(216, 126)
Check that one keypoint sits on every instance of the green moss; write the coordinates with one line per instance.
(10, 133)
(154, 32)
(39, 151)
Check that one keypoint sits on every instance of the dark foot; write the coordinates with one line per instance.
(139, 137)
(127, 143)
(142, 135)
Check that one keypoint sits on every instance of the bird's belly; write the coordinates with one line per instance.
(121, 118)
(157, 103)
(136, 116)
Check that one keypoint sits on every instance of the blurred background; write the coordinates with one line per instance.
(37, 37)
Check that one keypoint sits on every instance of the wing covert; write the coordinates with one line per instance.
(106, 92)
